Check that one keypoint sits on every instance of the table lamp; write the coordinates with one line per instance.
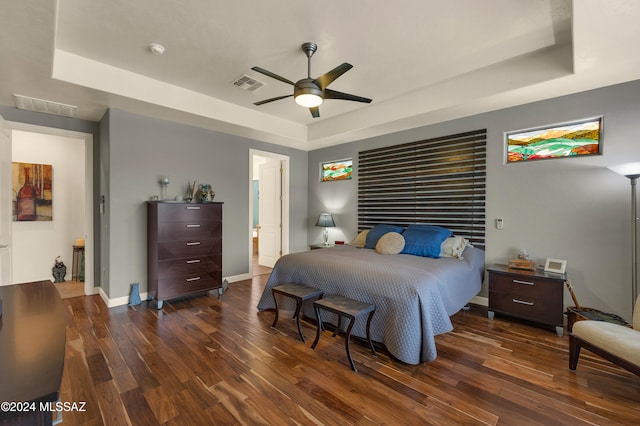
(326, 221)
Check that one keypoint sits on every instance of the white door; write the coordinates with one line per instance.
(5, 203)
(270, 208)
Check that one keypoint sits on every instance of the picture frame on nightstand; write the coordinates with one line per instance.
(556, 266)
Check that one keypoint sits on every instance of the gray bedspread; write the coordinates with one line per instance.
(414, 296)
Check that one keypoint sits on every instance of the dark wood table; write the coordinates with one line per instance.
(32, 346)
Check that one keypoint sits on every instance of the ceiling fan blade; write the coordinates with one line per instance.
(325, 79)
(272, 75)
(277, 98)
(315, 112)
(332, 94)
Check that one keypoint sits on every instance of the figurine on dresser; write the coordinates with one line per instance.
(205, 193)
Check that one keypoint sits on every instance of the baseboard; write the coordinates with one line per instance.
(480, 300)
(236, 278)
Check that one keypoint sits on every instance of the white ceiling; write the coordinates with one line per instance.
(421, 61)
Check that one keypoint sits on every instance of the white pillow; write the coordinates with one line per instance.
(453, 247)
(360, 240)
(390, 243)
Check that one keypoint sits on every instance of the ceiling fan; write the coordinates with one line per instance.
(310, 92)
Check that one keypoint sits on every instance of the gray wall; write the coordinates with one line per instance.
(141, 149)
(571, 208)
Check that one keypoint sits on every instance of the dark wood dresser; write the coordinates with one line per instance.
(184, 248)
(536, 296)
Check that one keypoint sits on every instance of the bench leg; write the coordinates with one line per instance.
(347, 339)
(319, 326)
(373, 351)
(275, 301)
(297, 317)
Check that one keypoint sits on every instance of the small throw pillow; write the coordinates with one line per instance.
(390, 243)
(636, 315)
(453, 247)
(360, 240)
(378, 231)
(424, 240)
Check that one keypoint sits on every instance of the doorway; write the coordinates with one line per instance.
(268, 209)
(34, 246)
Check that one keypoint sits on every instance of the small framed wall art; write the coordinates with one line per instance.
(32, 192)
(336, 170)
(573, 139)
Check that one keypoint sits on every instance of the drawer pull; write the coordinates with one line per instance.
(193, 261)
(192, 279)
(193, 208)
(193, 225)
(193, 243)
(522, 302)
(524, 282)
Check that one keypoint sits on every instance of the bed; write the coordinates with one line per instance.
(414, 295)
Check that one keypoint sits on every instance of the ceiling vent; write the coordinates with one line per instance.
(40, 105)
(248, 83)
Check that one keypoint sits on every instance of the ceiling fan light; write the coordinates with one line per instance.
(308, 100)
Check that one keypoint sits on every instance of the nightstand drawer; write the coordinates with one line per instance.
(533, 287)
(534, 309)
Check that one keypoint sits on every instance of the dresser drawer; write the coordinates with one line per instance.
(168, 212)
(530, 308)
(188, 230)
(177, 286)
(189, 265)
(532, 287)
(189, 248)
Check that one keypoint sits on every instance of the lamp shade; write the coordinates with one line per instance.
(325, 220)
(627, 169)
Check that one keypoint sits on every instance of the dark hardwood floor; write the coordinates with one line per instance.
(204, 360)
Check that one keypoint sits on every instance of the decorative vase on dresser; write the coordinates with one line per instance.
(184, 249)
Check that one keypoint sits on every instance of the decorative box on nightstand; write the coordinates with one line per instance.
(536, 296)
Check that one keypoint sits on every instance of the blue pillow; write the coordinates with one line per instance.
(424, 240)
(378, 231)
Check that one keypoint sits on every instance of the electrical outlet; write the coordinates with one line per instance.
(499, 223)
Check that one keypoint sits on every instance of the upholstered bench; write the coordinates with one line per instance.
(300, 293)
(344, 307)
(617, 343)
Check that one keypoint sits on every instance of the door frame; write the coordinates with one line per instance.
(89, 284)
(285, 201)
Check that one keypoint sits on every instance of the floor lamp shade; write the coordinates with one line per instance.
(632, 171)
(325, 220)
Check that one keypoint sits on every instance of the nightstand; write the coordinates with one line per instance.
(535, 296)
(320, 246)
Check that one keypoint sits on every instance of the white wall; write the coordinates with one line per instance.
(37, 244)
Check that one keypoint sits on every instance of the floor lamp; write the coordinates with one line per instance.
(632, 171)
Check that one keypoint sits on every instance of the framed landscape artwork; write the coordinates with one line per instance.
(575, 139)
(32, 192)
(336, 170)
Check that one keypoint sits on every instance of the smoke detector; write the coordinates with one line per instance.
(156, 49)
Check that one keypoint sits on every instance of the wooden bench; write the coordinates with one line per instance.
(344, 307)
(300, 293)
